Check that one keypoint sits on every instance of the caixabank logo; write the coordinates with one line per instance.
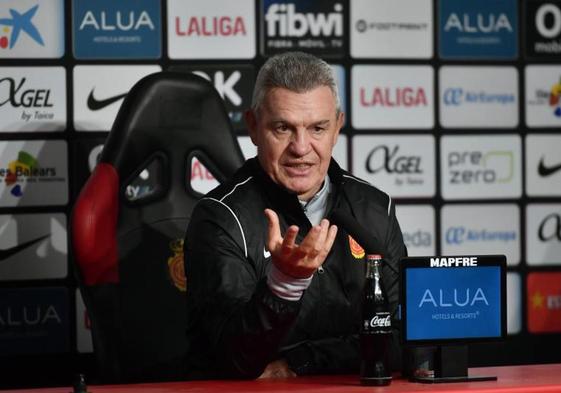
(544, 302)
(126, 29)
(543, 29)
(234, 83)
(33, 173)
(32, 99)
(211, 29)
(31, 29)
(34, 320)
(312, 26)
(543, 95)
(478, 29)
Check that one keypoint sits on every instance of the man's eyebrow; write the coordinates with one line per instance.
(321, 122)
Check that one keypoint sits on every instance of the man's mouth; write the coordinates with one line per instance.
(298, 168)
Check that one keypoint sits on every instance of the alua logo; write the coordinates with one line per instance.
(19, 23)
(29, 316)
(455, 297)
(550, 228)
(118, 21)
(478, 23)
(283, 20)
(393, 97)
(391, 162)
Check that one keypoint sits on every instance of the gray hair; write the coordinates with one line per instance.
(295, 71)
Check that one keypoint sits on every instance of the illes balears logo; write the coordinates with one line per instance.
(20, 23)
(25, 167)
(175, 265)
(555, 98)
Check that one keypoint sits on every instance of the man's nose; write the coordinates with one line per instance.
(300, 143)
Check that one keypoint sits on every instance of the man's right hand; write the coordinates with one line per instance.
(299, 260)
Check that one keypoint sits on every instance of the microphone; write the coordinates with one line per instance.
(368, 241)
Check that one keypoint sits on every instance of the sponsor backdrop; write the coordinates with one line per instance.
(453, 108)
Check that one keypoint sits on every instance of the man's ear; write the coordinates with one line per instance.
(251, 123)
(339, 124)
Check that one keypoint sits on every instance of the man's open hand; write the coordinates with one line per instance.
(299, 260)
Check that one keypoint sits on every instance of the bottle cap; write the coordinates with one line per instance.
(374, 256)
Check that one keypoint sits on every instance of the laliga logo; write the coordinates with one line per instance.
(447, 298)
(295, 24)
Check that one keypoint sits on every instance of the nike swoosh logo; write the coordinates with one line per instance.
(546, 171)
(266, 254)
(8, 252)
(95, 105)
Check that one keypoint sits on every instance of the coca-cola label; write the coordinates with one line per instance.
(380, 321)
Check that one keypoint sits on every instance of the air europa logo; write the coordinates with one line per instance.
(393, 97)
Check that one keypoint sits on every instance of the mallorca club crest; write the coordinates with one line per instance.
(175, 265)
(356, 249)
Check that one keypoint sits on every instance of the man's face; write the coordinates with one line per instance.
(295, 134)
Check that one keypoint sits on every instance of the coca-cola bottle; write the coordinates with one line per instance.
(376, 329)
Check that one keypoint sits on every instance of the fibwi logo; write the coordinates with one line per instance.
(316, 27)
(555, 98)
(31, 29)
(544, 302)
(106, 29)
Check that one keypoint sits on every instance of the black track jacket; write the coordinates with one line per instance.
(236, 324)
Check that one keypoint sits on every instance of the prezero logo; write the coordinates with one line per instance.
(400, 165)
(315, 27)
(31, 29)
(481, 167)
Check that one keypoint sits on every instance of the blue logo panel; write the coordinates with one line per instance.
(453, 303)
(34, 320)
(126, 29)
(478, 29)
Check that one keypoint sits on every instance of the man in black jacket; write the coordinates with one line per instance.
(274, 290)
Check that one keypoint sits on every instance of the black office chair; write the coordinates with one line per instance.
(129, 222)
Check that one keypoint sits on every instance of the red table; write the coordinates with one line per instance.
(519, 379)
